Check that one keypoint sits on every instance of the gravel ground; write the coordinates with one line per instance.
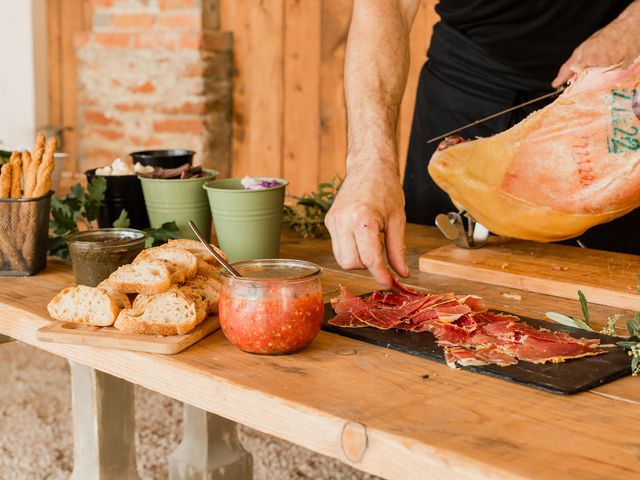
(36, 437)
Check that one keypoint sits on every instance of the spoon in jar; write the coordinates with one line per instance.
(219, 258)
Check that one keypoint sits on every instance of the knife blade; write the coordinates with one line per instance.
(557, 91)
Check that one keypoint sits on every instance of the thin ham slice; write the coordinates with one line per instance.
(565, 168)
(482, 356)
(540, 351)
(469, 334)
(347, 302)
(347, 320)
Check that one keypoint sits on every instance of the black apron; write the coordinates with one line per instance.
(460, 83)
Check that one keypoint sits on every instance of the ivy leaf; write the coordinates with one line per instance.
(95, 197)
(568, 321)
(122, 221)
(626, 344)
(57, 246)
(158, 236)
(77, 192)
(585, 307)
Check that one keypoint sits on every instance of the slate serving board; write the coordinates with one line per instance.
(572, 376)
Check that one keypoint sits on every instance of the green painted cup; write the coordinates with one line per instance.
(179, 200)
(247, 222)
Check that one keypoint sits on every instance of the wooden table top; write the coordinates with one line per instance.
(373, 408)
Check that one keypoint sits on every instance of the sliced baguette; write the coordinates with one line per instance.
(145, 277)
(208, 289)
(208, 270)
(84, 305)
(196, 248)
(141, 301)
(169, 313)
(121, 299)
(184, 262)
(202, 307)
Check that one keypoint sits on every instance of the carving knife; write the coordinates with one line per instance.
(557, 91)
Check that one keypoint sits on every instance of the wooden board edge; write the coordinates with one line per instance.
(49, 334)
(556, 288)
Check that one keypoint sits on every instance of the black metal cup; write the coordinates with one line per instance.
(123, 192)
(163, 158)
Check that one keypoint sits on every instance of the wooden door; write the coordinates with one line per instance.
(65, 18)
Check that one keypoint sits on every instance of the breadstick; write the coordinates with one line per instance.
(36, 159)
(30, 179)
(26, 168)
(43, 183)
(5, 180)
(16, 165)
(38, 149)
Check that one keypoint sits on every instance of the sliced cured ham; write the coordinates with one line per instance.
(565, 168)
(541, 351)
(482, 356)
(469, 334)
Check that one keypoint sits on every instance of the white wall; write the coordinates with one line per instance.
(23, 96)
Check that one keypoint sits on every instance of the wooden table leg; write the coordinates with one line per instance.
(103, 426)
(210, 449)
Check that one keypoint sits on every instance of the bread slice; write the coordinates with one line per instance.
(184, 262)
(169, 313)
(199, 302)
(145, 277)
(84, 305)
(121, 299)
(206, 269)
(196, 248)
(208, 289)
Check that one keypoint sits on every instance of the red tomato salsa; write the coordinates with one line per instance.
(283, 322)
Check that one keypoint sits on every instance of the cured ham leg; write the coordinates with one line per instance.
(565, 168)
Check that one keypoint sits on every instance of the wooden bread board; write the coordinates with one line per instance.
(606, 278)
(111, 337)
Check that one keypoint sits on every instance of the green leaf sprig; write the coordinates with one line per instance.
(574, 322)
(306, 216)
(78, 207)
(632, 343)
(155, 236)
(158, 236)
(123, 220)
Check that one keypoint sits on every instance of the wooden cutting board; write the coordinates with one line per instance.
(570, 377)
(605, 278)
(111, 337)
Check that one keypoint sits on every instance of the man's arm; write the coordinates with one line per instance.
(371, 200)
(616, 43)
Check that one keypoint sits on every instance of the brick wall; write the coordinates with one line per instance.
(154, 74)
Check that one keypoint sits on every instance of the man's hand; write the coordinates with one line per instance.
(617, 43)
(369, 202)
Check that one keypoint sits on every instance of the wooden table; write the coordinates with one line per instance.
(380, 411)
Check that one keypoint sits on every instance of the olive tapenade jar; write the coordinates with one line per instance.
(275, 307)
(96, 254)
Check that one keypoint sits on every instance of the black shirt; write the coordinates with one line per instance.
(534, 36)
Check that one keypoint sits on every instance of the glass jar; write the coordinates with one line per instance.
(96, 254)
(276, 306)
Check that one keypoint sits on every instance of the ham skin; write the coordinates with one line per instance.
(565, 168)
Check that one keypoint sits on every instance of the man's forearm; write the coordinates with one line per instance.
(376, 68)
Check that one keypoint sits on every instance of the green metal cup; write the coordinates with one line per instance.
(179, 200)
(247, 222)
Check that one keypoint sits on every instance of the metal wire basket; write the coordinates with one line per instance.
(24, 229)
